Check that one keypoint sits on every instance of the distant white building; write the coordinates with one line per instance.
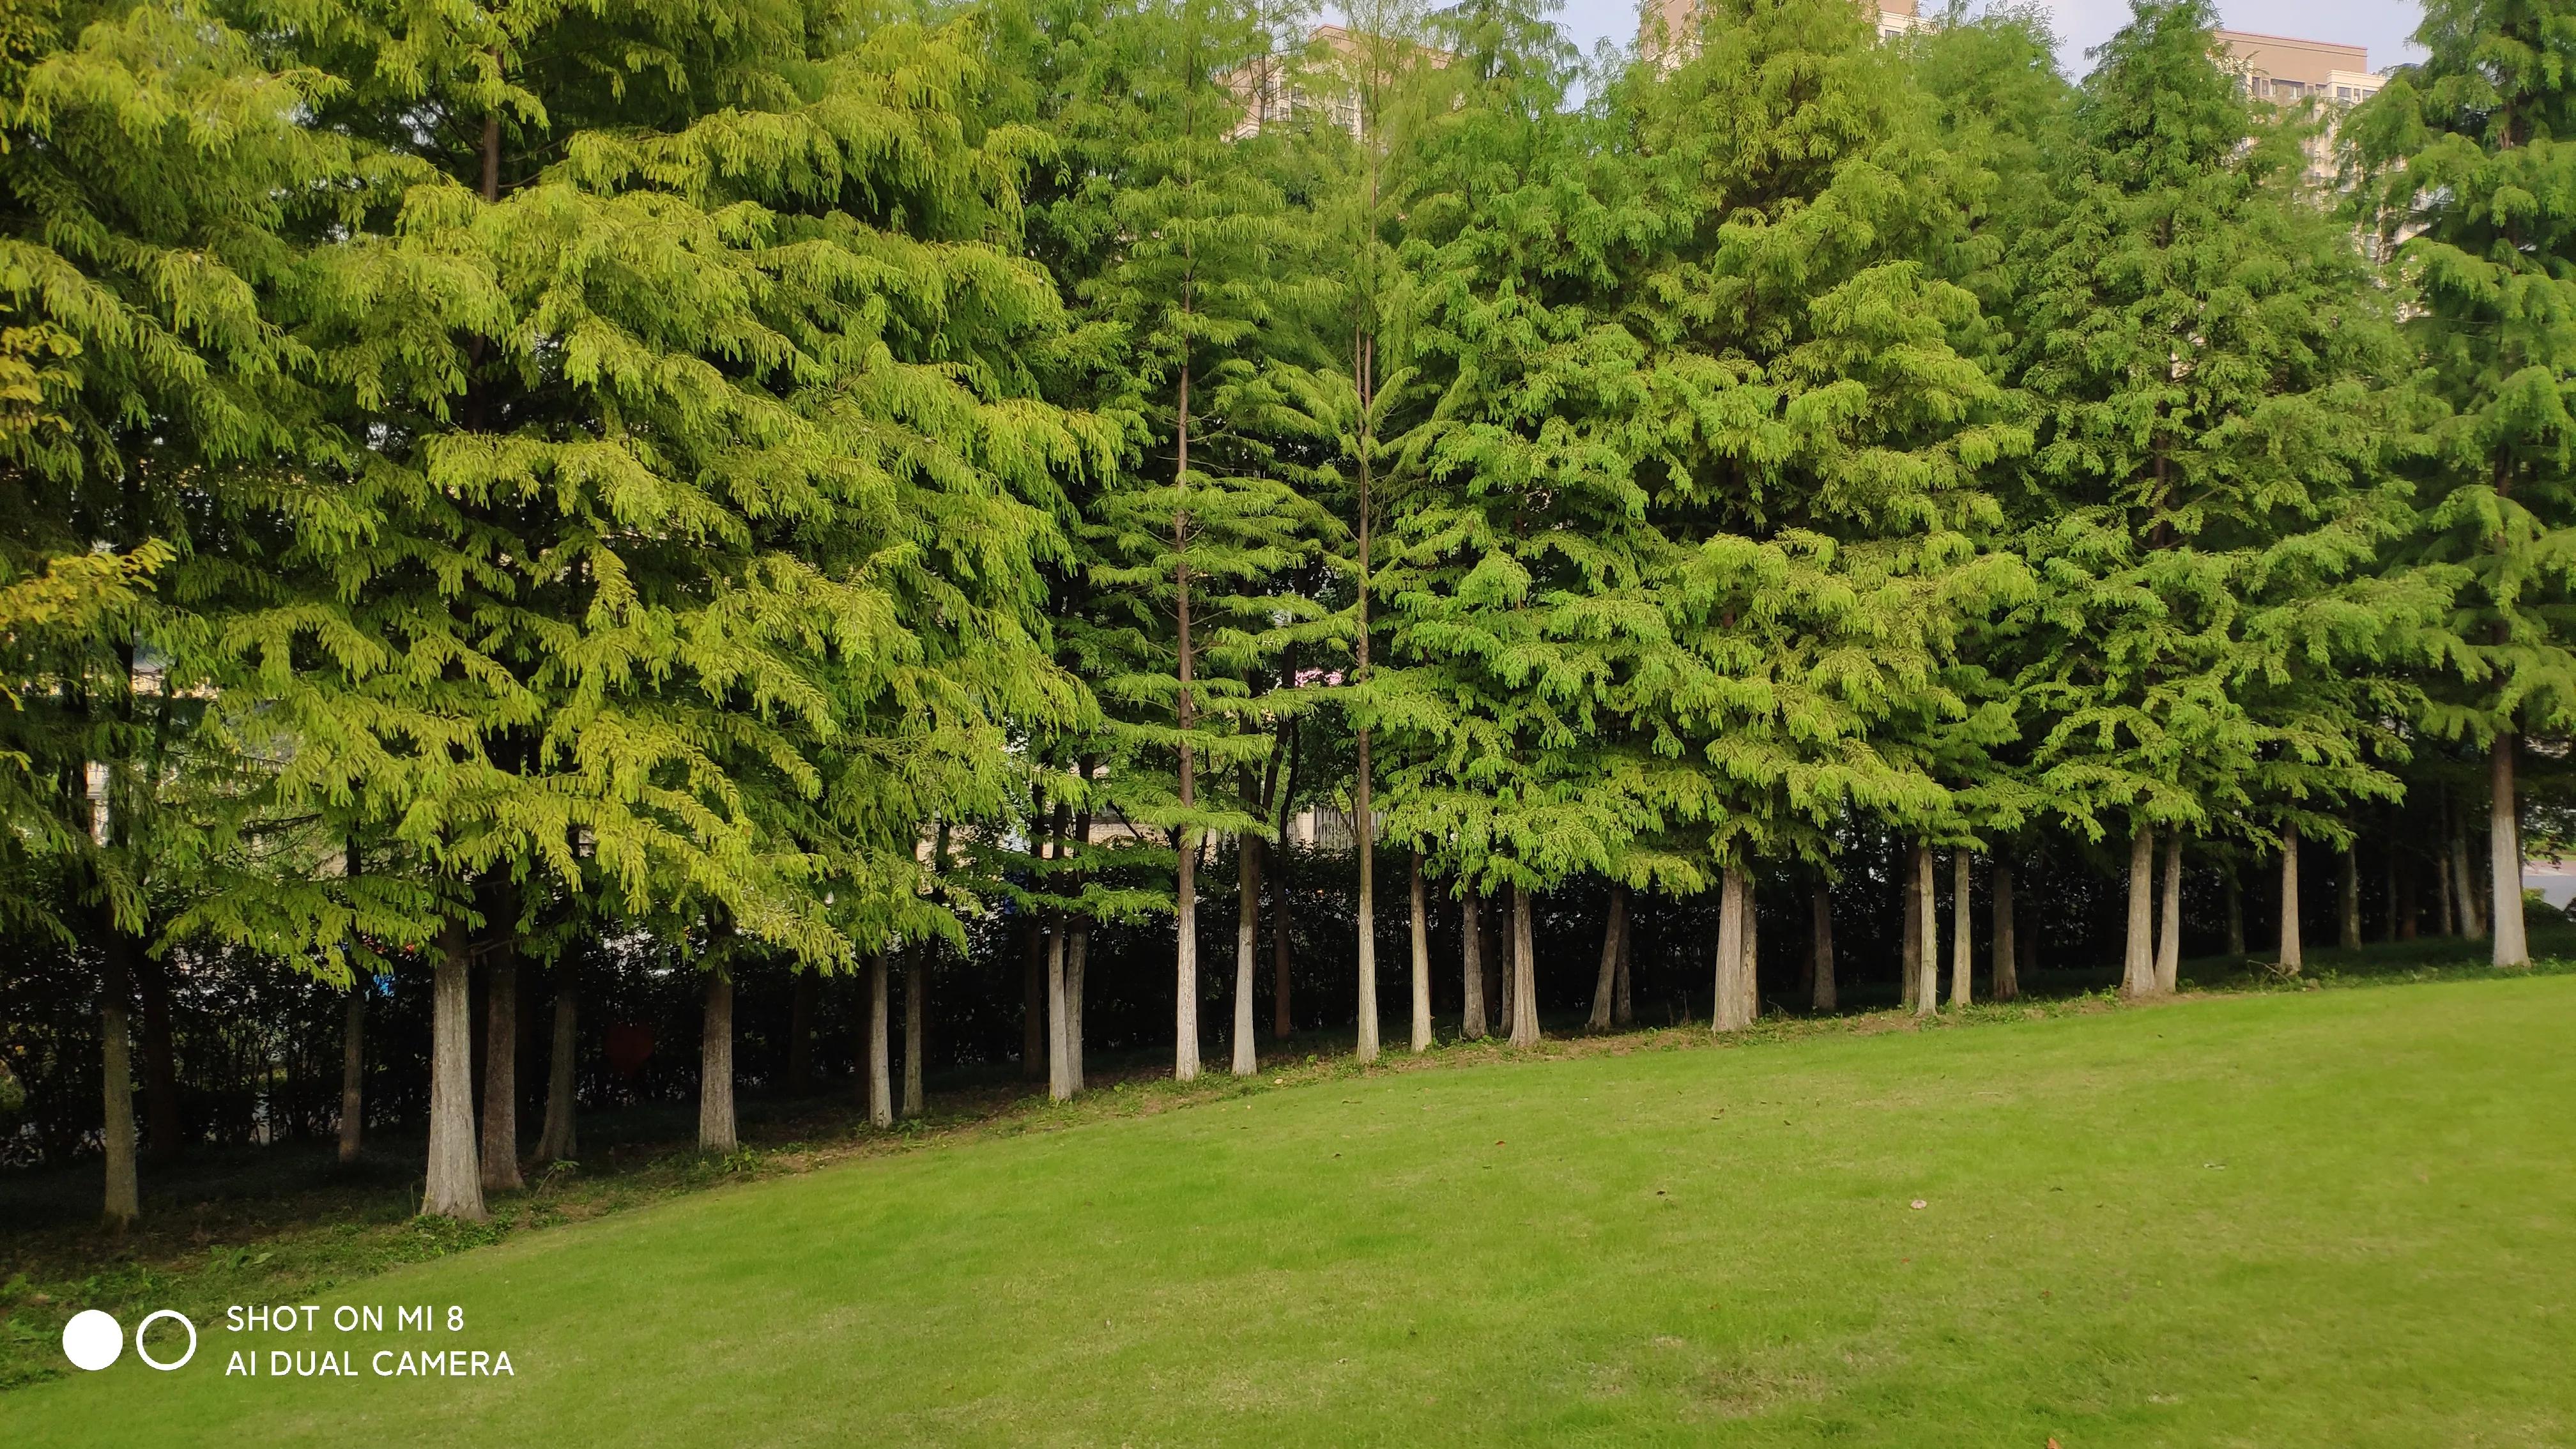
(2291, 72)
(1671, 23)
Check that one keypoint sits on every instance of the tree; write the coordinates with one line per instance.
(2458, 157)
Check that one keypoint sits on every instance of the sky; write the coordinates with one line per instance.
(2382, 25)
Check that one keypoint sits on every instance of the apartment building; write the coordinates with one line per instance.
(1669, 21)
(2291, 72)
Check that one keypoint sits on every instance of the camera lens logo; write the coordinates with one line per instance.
(93, 1340)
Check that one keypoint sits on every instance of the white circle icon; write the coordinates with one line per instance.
(145, 1326)
(92, 1340)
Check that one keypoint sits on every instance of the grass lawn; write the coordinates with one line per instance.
(2338, 1218)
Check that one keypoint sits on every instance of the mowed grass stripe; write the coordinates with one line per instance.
(2339, 1218)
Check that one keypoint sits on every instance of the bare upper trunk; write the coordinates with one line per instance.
(2473, 922)
(2504, 854)
(1613, 934)
(454, 1187)
(1524, 972)
(1962, 942)
(1421, 961)
(2348, 901)
(2006, 954)
(1059, 1061)
(353, 1069)
(1077, 957)
(2292, 958)
(715, 1067)
(1909, 910)
(1623, 1008)
(2138, 966)
(561, 1139)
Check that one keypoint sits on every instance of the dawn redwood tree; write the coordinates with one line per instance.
(2213, 647)
(2467, 159)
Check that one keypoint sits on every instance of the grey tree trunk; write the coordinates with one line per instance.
(2292, 957)
(880, 1052)
(123, 1201)
(916, 980)
(1059, 1061)
(2006, 956)
(561, 1139)
(1471, 956)
(1927, 986)
(1283, 1021)
(1077, 956)
(2504, 853)
(1524, 972)
(2348, 901)
(1421, 961)
(715, 1068)
(1753, 943)
(1962, 933)
(1821, 993)
(1247, 945)
(1733, 1008)
(2138, 966)
(1909, 968)
(2169, 920)
(353, 1070)
(1361, 822)
(454, 1187)
(501, 1073)
(1613, 936)
(1185, 964)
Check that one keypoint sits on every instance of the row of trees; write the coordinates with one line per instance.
(789, 479)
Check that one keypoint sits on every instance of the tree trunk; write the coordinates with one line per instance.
(2292, 958)
(1753, 943)
(353, 1068)
(800, 1033)
(1524, 972)
(2138, 966)
(1927, 989)
(916, 980)
(501, 1072)
(1612, 935)
(2504, 851)
(1247, 945)
(2348, 900)
(1962, 932)
(1909, 966)
(2235, 913)
(1059, 1061)
(1471, 963)
(1623, 1007)
(2473, 923)
(1498, 958)
(715, 1068)
(1421, 961)
(123, 1200)
(2169, 920)
(1185, 962)
(1367, 1047)
(1732, 1009)
(1077, 957)
(160, 1065)
(2006, 955)
(455, 1187)
(1822, 994)
(880, 1049)
(561, 1139)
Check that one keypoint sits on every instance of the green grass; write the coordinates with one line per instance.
(2299, 1218)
